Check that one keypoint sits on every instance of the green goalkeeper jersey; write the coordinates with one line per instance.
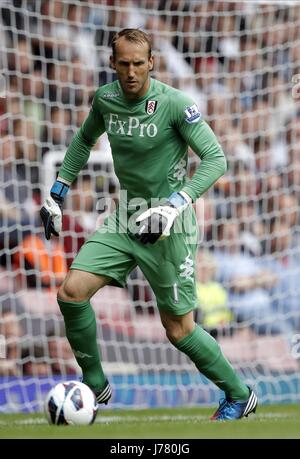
(149, 139)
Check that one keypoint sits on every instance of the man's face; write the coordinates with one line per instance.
(132, 64)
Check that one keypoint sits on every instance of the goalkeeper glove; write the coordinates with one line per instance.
(51, 212)
(157, 222)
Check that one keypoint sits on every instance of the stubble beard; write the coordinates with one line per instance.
(134, 92)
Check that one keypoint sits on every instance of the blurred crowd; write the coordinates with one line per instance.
(240, 62)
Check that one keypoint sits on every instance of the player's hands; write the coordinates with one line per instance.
(51, 212)
(156, 222)
(51, 215)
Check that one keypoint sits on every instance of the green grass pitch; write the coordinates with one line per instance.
(276, 421)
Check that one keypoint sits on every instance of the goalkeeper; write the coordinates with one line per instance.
(150, 126)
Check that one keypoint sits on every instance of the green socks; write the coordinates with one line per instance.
(199, 346)
(81, 331)
(206, 354)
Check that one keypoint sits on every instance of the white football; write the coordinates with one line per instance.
(71, 403)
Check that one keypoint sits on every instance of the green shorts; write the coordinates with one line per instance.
(168, 265)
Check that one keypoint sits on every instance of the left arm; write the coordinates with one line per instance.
(188, 121)
(157, 222)
(204, 143)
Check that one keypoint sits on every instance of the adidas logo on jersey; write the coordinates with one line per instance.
(110, 95)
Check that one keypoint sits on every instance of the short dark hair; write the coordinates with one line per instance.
(134, 36)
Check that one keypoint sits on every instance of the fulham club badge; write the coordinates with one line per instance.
(151, 106)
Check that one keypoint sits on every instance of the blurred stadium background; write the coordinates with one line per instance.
(240, 61)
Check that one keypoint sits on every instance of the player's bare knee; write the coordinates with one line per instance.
(70, 292)
(177, 327)
(172, 337)
(177, 331)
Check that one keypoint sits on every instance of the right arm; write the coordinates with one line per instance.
(84, 140)
(75, 159)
